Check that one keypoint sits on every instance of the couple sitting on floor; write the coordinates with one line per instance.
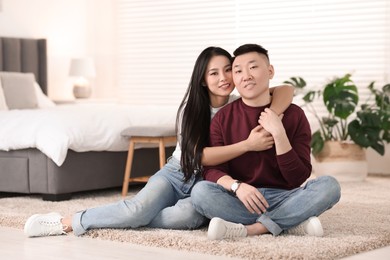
(244, 169)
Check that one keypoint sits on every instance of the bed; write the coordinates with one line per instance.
(57, 167)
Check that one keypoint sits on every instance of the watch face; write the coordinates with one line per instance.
(234, 186)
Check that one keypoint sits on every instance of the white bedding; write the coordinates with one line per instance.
(79, 127)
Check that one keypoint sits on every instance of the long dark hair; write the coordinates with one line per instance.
(195, 114)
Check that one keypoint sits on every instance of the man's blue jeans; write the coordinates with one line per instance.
(287, 208)
(164, 202)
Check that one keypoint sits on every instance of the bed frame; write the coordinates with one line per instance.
(29, 171)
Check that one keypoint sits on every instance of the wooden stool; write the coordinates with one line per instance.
(160, 135)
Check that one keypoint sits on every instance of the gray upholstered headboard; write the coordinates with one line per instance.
(25, 55)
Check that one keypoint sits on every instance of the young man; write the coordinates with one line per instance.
(260, 192)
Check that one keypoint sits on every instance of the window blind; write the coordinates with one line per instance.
(158, 41)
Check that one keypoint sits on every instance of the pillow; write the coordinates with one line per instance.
(3, 105)
(19, 90)
(42, 99)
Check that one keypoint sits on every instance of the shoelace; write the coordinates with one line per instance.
(235, 231)
(298, 230)
(51, 227)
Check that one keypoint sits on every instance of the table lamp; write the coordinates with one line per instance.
(83, 69)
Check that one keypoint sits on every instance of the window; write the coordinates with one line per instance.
(158, 41)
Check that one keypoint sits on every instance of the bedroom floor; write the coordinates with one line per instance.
(14, 245)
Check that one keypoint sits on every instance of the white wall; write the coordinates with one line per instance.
(73, 28)
(101, 42)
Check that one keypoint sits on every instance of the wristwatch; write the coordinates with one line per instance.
(235, 186)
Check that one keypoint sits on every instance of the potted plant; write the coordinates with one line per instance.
(347, 130)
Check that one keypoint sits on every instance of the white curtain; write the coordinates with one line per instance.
(158, 41)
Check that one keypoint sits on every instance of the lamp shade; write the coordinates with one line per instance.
(82, 68)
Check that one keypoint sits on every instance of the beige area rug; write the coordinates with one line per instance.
(359, 222)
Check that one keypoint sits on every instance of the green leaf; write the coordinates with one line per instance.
(379, 147)
(366, 133)
(309, 96)
(341, 97)
(296, 82)
(330, 122)
(317, 143)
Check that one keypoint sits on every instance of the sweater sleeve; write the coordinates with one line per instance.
(295, 165)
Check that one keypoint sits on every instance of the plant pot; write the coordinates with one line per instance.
(344, 161)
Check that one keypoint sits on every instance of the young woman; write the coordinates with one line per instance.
(165, 200)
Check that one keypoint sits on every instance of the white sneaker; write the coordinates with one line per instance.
(310, 227)
(39, 225)
(219, 229)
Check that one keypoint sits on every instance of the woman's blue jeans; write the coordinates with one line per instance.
(164, 202)
(287, 208)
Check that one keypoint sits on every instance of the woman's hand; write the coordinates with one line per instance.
(252, 198)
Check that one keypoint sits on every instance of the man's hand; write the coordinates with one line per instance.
(271, 122)
(259, 139)
(252, 198)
